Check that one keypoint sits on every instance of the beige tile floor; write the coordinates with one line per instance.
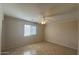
(42, 48)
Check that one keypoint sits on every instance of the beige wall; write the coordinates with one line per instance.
(14, 33)
(1, 18)
(62, 33)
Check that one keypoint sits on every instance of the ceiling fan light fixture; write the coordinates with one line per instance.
(43, 22)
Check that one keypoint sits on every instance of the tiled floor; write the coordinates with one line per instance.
(43, 48)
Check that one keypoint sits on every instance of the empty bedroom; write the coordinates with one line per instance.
(39, 29)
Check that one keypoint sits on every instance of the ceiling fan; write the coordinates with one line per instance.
(43, 21)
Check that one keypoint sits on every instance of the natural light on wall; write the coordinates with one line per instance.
(29, 30)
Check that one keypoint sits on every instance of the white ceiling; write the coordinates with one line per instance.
(34, 12)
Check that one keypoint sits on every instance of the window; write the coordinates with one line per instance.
(33, 30)
(29, 30)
